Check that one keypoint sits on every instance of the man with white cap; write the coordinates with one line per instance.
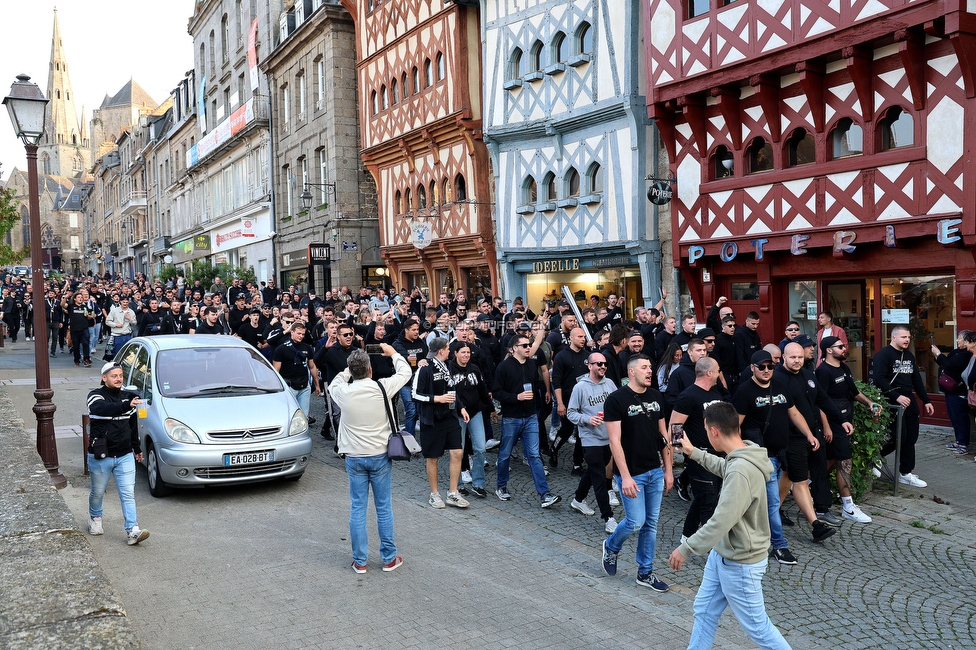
(114, 450)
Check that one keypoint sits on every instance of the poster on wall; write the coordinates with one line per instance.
(252, 55)
(895, 316)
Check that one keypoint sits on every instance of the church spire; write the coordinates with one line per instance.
(63, 138)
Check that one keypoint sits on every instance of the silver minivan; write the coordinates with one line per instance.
(216, 413)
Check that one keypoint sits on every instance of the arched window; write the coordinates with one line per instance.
(530, 191)
(572, 182)
(57, 94)
(203, 57)
(421, 197)
(549, 182)
(594, 178)
(385, 97)
(416, 80)
(407, 201)
(515, 64)
(760, 156)
(428, 74)
(584, 38)
(374, 102)
(722, 163)
(213, 55)
(441, 70)
(434, 199)
(394, 95)
(461, 191)
(558, 48)
(398, 202)
(239, 21)
(403, 84)
(801, 148)
(224, 39)
(897, 129)
(535, 57)
(847, 139)
(446, 191)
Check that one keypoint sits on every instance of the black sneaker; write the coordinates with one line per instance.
(821, 531)
(683, 492)
(829, 519)
(463, 491)
(577, 470)
(502, 494)
(783, 556)
(785, 519)
(652, 581)
(609, 560)
(480, 492)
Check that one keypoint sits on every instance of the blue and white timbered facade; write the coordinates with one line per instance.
(569, 141)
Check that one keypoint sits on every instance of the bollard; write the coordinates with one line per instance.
(85, 426)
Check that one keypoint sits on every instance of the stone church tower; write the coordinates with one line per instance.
(64, 151)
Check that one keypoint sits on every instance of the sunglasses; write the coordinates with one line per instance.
(598, 363)
(839, 346)
(523, 345)
(346, 334)
(765, 366)
(792, 329)
(709, 340)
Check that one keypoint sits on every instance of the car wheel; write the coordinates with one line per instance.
(156, 486)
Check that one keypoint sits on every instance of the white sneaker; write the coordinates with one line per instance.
(95, 526)
(136, 535)
(614, 501)
(912, 479)
(491, 444)
(582, 506)
(456, 500)
(855, 514)
(465, 476)
(552, 436)
(611, 526)
(436, 501)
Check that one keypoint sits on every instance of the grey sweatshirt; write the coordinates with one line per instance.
(586, 401)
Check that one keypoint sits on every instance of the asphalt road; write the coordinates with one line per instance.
(267, 566)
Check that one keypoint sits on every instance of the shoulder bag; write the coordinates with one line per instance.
(947, 383)
(402, 444)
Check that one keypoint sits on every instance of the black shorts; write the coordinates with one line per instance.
(441, 435)
(839, 448)
(798, 453)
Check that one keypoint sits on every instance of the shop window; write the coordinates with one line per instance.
(697, 7)
(530, 191)
(847, 139)
(460, 190)
(743, 291)
(897, 129)
(428, 74)
(801, 148)
(594, 178)
(515, 64)
(803, 296)
(558, 48)
(421, 197)
(572, 182)
(722, 163)
(535, 57)
(584, 38)
(760, 156)
(549, 182)
(441, 71)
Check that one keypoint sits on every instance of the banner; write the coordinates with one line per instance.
(247, 227)
(202, 105)
(252, 54)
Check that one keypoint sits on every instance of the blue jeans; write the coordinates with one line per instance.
(738, 586)
(958, 409)
(124, 471)
(118, 341)
(304, 397)
(640, 513)
(772, 503)
(363, 472)
(409, 408)
(476, 427)
(526, 429)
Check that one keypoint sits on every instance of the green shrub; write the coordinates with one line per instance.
(869, 435)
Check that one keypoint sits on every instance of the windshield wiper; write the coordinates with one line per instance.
(232, 388)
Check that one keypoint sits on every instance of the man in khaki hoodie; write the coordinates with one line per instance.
(737, 535)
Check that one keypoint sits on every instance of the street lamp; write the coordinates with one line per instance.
(26, 106)
(306, 197)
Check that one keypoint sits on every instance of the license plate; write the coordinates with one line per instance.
(251, 458)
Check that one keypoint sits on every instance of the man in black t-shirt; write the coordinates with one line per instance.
(689, 411)
(766, 410)
(836, 378)
(293, 361)
(211, 323)
(633, 417)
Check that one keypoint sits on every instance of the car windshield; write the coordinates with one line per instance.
(212, 372)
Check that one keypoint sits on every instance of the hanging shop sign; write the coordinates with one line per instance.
(421, 234)
(660, 193)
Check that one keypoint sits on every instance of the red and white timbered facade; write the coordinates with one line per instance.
(818, 141)
(419, 67)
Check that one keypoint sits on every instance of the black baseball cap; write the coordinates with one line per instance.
(761, 356)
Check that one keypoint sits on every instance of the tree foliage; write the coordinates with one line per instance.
(8, 219)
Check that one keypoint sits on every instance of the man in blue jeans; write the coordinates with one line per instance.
(414, 349)
(362, 438)
(735, 537)
(635, 425)
(114, 451)
(517, 388)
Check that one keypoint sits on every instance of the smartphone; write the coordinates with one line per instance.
(677, 433)
(374, 348)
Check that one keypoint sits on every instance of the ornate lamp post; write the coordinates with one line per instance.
(26, 105)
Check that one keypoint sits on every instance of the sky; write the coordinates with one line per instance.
(106, 43)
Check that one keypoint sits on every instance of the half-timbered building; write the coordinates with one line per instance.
(822, 162)
(566, 126)
(419, 67)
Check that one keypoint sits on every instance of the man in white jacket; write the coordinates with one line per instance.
(363, 436)
(122, 320)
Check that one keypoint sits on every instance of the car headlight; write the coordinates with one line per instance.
(299, 424)
(179, 432)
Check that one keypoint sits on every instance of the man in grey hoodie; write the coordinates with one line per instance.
(585, 410)
(737, 534)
